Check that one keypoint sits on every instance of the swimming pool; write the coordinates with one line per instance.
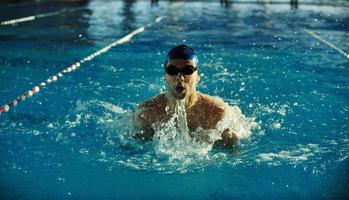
(70, 140)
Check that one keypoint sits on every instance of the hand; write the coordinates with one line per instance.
(229, 139)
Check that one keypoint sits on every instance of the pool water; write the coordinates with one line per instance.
(288, 93)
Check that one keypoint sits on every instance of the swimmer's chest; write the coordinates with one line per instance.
(195, 118)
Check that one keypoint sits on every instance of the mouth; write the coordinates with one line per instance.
(179, 89)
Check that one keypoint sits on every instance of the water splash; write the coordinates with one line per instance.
(172, 138)
(235, 120)
(102, 132)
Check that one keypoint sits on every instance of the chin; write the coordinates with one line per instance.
(179, 96)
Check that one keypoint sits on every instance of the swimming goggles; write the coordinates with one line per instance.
(174, 71)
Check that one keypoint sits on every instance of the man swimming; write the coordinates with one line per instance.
(202, 111)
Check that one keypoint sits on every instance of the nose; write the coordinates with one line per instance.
(180, 77)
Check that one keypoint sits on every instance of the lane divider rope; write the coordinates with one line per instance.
(75, 66)
(327, 43)
(33, 17)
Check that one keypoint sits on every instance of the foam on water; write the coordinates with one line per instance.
(235, 120)
(293, 155)
(103, 132)
(173, 139)
(108, 138)
(172, 148)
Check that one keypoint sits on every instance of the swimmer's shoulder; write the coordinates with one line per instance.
(154, 103)
(212, 102)
(215, 107)
(148, 113)
(151, 109)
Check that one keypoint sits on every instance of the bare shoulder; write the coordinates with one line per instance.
(148, 113)
(151, 109)
(215, 107)
(154, 102)
(213, 103)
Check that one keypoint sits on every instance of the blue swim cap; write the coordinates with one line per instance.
(181, 52)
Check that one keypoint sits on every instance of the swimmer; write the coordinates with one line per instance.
(203, 111)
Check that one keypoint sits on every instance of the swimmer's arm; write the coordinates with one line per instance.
(144, 130)
(229, 139)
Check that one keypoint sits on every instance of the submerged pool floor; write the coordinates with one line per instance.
(70, 141)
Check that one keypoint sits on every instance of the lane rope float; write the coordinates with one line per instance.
(33, 17)
(327, 43)
(75, 66)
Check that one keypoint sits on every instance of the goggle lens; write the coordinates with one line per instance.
(174, 71)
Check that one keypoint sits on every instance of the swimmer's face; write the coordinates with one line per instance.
(180, 85)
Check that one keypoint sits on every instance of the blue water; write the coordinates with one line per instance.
(71, 140)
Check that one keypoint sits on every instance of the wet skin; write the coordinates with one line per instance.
(202, 110)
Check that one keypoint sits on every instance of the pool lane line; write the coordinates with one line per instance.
(33, 17)
(75, 66)
(327, 43)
